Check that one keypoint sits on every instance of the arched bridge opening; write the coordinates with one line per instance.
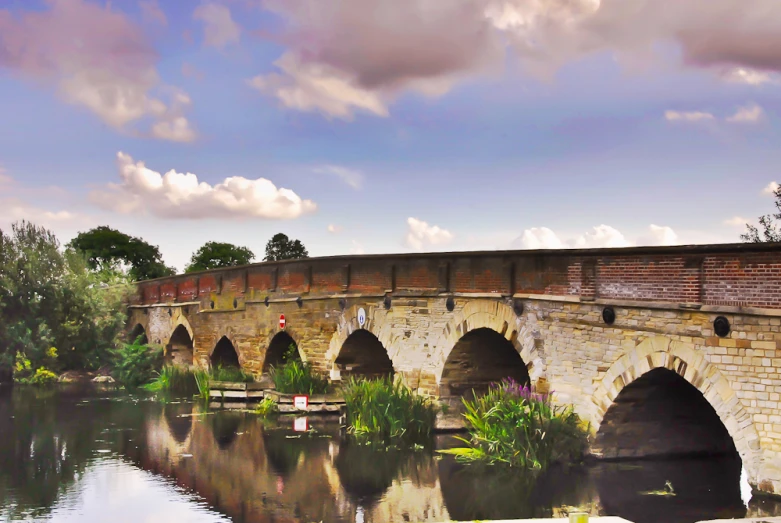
(660, 414)
(135, 333)
(179, 350)
(481, 357)
(363, 354)
(225, 355)
(283, 348)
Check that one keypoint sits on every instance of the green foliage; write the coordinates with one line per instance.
(213, 255)
(267, 407)
(233, 374)
(770, 232)
(135, 364)
(107, 249)
(51, 298)
(280, 247)
(511, 425)
(25, 374)
(203, 382)
(381, 409)
(174, 379)
(296, 377)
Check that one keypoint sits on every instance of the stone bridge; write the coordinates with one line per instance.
(663, 350)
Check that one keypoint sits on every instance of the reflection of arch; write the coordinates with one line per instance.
(364, 355)
(365, 472)
(278, 348)
(179, 349)
(225, 354)
(283, 454)
(690, 364)
(178, 426)
(348, 324)
(498, 317)
(137, 331)
(225, 426)
(482, 356)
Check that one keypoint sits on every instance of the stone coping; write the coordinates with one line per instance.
(591, 519)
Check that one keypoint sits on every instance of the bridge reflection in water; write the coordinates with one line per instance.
(253, 470)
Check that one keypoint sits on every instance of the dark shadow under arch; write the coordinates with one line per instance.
(362, 354)
(179, 419)
(137, 331)
(660, 414)
(224, 354)
(179, 350)
(481, 357)
(225, 428)
(281, 349)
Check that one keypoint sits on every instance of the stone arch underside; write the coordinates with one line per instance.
(686, 361)
(279, 350)
(362, 354)
(225, 354)
(375, 324)
(135, 332)
(179, 349)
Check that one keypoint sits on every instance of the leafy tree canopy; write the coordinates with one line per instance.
(280, 247)
(215, 254)
(109, 249)
(770, 232)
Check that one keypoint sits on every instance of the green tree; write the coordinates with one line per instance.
(51, 299)
(107, 249)
(215, 254)
(770, 232)
(280, 247)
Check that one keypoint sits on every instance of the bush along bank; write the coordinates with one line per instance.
(297, 377)
(511, 425)
(382, 410)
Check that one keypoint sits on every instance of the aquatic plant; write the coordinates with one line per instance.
(134, 364)
(297, 377)
(512, 425)
(203, 382)
(267, 407)
(381, 409)
(234, 374)
(174, 379)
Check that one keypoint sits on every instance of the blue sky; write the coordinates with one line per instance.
(486, 124)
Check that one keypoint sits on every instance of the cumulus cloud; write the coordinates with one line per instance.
(601, 236)
(770, 188)
(748, 76)
(751, 113)
(661, 235)
(219, 28)
(334, 229)
(357, 248)
(96, 57)
(351, 177)
(181, 195)
(540, 238)
(690, 116)
(421, 235)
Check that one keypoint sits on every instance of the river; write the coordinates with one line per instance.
(72, 453)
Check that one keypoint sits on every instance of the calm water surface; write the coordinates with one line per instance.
(74, 454)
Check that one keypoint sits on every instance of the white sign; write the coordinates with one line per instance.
(301, 402)
(361, 317)
(301, 424)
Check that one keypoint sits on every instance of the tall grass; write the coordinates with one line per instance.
(233, 374)
(203, 382)
(267, 407)
(297, 377)
(382, 410)
(174, 379)
(509, 424)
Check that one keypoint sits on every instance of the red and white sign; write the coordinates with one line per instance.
(301, 402)
(282, 321)
(301, 424)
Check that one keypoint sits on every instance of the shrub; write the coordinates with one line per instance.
(297, 377)
(511, 425)
(134, 364)
(234, 374)
(26, 373)
(380, 409)
(267, 407)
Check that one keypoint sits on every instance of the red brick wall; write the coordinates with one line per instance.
(729, 275)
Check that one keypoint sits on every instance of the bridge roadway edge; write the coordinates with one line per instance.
(665, 301)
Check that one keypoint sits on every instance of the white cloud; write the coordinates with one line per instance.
(351, 177)
(540, 238)
(687, 116)
(602, 236)
(180, 195)
(357, 248)
(737, 221)
(14, 209)
(770, 188)
(175, 130)
(751, 113)
(421, 235)
(749, 76)
(220, 30)
(334, 229)
(662, 235)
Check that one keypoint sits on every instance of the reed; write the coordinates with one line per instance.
(381, 409)
(510, 424)
(174, 379)
(267, 407)
(297, 377)
(233, 374)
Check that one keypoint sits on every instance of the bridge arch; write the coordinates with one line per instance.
(378, 334)
(278, 345)
(137, 330)
(497, 317)
(661, 352)
(225, 353)
(179, 347)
